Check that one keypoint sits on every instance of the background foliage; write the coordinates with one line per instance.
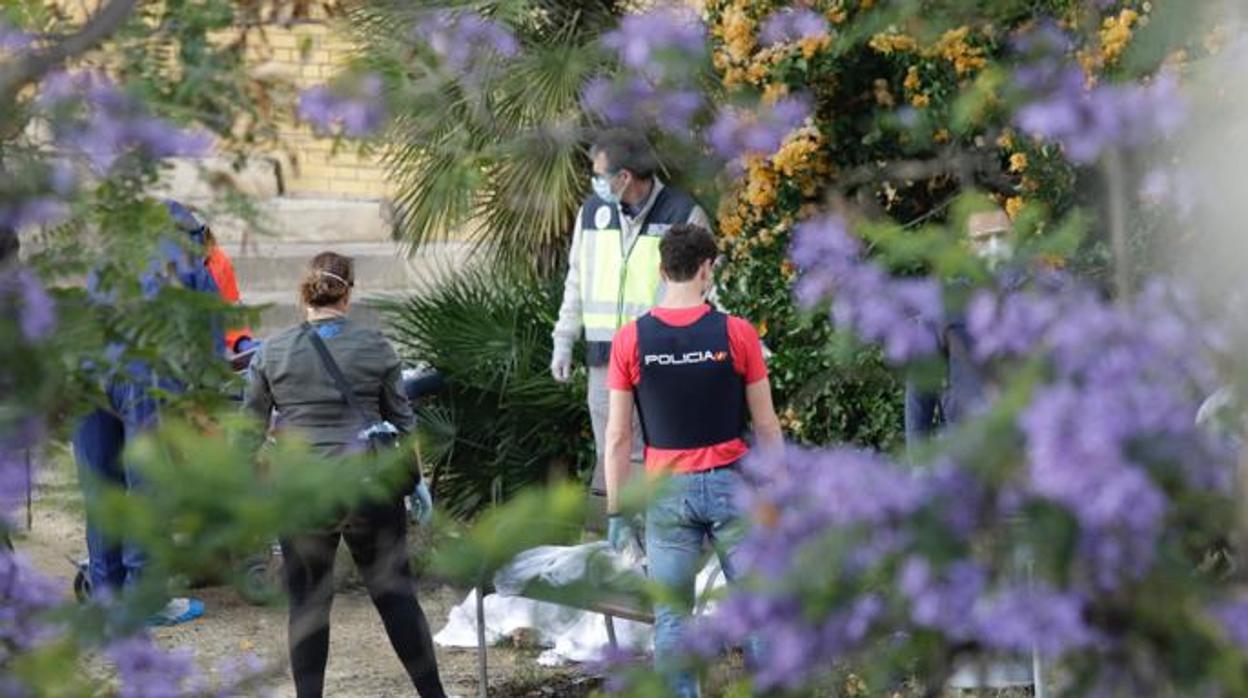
(502, 424)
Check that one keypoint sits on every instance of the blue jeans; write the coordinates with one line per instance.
(98, 446)
(691, 510)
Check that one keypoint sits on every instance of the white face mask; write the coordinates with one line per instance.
(602, 188)
(994, 251)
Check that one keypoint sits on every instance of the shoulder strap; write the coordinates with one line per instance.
(335, 373)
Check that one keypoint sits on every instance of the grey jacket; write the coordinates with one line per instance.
(287, 375)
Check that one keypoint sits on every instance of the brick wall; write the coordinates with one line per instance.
(309, 53)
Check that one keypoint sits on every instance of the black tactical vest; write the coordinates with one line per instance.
(689, 396)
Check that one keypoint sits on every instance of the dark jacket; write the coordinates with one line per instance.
(965, 388)
(287, 375)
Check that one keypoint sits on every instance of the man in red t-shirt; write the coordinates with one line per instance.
(695, 374)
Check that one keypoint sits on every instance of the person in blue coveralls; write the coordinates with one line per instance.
(131, 408)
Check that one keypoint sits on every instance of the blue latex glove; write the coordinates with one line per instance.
(619, 532)
(245, 344)
(422, 504)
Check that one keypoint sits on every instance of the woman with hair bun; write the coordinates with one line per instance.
(289, 374)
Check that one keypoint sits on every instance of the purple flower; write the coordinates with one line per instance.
(737, 132)
(144, 670)
(38, 315)
(817, 490)
(39, 210)
(36, 311)
(1232, 616)
(898, 313)
(639, 103)
(943, 600)
(13, 39)
(26, 596)
(659, 52)
(1009, 324)
(793, 24)
(94, 118)
(1031, 616)
(465, 42)
(1087, 121)
(618, 665)
(663, 43)
(359, 113)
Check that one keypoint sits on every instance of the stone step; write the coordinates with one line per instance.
(379, 266)
(306, 219)
(270, 274)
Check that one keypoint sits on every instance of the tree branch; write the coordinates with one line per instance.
(35, 65)
(961, 164)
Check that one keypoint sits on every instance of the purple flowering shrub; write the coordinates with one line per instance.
(662, 59)
(1074, 514)
(356, 107)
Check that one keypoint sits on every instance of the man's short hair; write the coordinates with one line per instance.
(684, 249)
(626, 150)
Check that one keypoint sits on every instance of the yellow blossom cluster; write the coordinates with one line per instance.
(1116, 33)
(774, 91)
(740, 58)
(1013, 206)
(812, 44)
(801, 153)
(912, 78)
(1111, 43)
(760, 182)
(953, 47)
(1018, 162)
(893, 42)
(737, 31)
(800, 160)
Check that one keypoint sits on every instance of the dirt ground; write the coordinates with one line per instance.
(361, 662)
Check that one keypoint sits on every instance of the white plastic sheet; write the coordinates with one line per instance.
(569, 634)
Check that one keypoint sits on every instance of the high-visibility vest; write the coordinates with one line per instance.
(617, 284)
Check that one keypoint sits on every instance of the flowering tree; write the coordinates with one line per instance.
(90, 109)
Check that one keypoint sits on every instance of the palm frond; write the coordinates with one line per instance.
(503, 162)
(503, 423)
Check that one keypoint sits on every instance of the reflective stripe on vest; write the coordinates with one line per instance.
(618, 285)
(614, 290)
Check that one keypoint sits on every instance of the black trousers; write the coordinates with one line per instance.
(377, 539)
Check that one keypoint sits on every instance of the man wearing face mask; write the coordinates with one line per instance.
(926, 411)
(966, 390)
(613, 267)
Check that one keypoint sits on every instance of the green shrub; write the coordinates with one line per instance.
(502, 423)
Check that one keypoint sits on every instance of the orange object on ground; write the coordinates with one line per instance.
(222, 269)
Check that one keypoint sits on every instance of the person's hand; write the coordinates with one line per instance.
(422, 504)
(561, 365)
(619, 532)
